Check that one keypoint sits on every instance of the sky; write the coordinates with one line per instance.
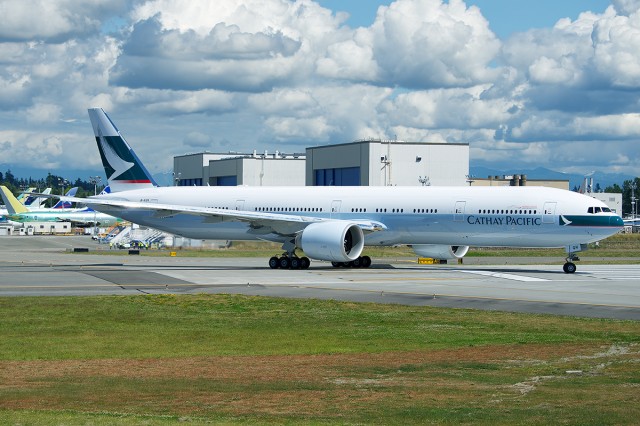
(552, 84)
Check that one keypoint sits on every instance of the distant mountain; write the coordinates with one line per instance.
(575, 179)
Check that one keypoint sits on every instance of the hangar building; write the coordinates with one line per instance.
(233, 169)
(388, 163)
(366, 162)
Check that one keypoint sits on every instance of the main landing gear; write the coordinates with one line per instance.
(360, 262)
(289, 259)
(289, 262)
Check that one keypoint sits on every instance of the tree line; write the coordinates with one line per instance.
(58, 184)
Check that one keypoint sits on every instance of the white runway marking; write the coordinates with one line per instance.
(504, 276)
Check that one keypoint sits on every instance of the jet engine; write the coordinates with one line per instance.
(437, 251)
(337, 241)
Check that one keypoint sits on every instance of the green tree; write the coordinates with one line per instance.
(613, 189)
(630, 190)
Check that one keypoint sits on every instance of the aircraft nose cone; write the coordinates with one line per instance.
(616, 221)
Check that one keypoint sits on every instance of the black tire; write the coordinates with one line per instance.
(569, 268)
(273, 262)
(295, 262)
(356, 263)
(366, 261)
(336, 264)
(284, 262)
(305, 262)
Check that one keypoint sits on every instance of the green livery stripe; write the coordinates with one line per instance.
(590, 220)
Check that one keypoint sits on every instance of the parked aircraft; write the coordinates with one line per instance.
(336, 223)
(82, 217)
(37, 202)
(22, 198)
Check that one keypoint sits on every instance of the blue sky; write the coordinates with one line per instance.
(551, 84)
(505, 16)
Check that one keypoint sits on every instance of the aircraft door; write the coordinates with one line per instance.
(239, 204)
(335, 208)
(548, 212)
(458, 213)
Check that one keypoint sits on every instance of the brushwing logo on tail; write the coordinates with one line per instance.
(118, 165)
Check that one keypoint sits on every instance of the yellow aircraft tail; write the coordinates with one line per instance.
(11, 202)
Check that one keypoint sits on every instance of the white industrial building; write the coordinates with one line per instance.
(388, 163)
(232, 169)
(517, 180)
(366, 163)
(612, 200)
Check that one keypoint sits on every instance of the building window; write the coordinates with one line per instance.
(347, 176)
(227, 180)
(190, 182)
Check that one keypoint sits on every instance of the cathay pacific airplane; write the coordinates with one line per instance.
(336, 223)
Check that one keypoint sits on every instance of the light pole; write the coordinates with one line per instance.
(63, 184)
(633, 201)
(95, 180)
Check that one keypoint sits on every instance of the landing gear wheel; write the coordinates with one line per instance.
(356, 263)
(569, 267)
(273, 263)
(295, 263)
(305, 262)
(366, 261)
(284, 262)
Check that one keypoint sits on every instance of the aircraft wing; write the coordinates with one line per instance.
(261, 222)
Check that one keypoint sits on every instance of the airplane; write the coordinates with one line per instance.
(25, 195)
(32, 198)
(22, 198)
(35, 202)
(336, 223)
(81, 217)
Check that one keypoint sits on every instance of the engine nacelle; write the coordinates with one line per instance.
(437, 251)
(336, 241)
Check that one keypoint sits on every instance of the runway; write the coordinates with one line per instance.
(39, 266)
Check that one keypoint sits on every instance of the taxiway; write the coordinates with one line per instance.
(41, 266)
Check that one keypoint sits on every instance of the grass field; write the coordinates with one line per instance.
(234, 359)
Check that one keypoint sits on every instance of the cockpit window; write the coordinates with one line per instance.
(593, 210)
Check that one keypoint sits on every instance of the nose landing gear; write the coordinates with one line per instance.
(569, 267)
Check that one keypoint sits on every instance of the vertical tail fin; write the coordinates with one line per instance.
(24, 196)
(35, 202)
(11, 202)
(122, 166)
(66, 204)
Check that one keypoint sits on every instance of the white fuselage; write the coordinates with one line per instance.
(471, 216)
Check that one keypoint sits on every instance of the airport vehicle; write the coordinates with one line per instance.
(80, 217)
(336, 223)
